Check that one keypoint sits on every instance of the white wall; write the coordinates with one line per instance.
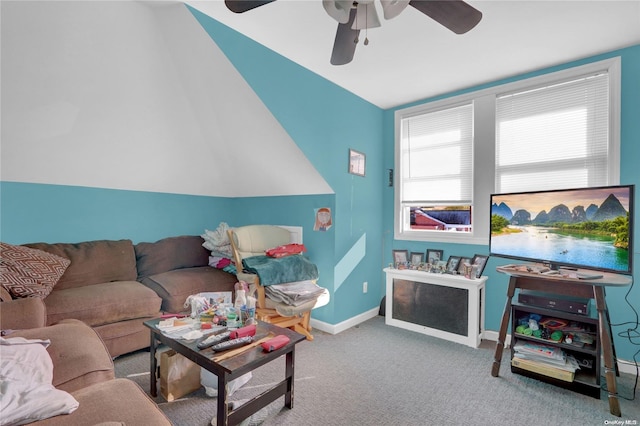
(133, 95)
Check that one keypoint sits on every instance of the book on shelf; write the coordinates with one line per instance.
(567, 363)
(539, 350)
(543, 359)
(543, 368)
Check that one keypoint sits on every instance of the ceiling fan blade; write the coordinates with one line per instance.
(241, 6)
(456, 15)
(344, 46)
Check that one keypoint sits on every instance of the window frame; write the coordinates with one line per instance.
(484, 142)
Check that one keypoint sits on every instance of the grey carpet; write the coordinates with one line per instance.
(374, 374)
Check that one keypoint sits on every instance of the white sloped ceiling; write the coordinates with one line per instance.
(136, 96)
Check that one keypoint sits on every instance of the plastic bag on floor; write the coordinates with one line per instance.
(210, 383)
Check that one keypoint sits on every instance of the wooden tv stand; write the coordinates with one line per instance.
(567, 286)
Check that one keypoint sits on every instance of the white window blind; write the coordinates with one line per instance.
(436, 157)
(553, 137)
(553, 131)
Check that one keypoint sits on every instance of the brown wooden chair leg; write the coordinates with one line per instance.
(300, 329)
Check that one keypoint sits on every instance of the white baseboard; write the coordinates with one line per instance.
(625, 366)
(493, 335)
(344, 325)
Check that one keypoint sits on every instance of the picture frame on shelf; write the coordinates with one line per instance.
(463, 260)
(400, 257)
(441, 266)
(480, 262)
(417, 258)
(434, 256)
(452, 264)
(357, 162)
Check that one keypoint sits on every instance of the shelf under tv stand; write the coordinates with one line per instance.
(566, 286)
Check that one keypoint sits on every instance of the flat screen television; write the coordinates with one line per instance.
(589, 228)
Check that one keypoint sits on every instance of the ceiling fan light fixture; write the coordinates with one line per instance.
(338, 9)
(393, 8)
(366, 16)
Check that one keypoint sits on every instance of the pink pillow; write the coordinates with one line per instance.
(286, 250)
(27, 272)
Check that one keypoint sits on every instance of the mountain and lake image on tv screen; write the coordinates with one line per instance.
(587, 228)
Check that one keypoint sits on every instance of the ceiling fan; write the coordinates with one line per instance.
(353, 16)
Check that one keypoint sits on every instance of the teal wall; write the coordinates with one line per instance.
(630, 154)
(56, 213)
(325, 121)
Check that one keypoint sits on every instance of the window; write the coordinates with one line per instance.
(562, 128)
(559, 130)
(436, 169)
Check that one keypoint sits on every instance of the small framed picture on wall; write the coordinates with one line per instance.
(357, 162)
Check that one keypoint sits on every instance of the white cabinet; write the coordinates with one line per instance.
(447, 306)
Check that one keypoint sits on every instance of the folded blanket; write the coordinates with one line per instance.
(280, 270)
(294, 294)
(218, 241)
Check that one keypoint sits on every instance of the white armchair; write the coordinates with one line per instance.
(255, 240)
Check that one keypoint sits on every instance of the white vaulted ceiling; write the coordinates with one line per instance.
(136, 96)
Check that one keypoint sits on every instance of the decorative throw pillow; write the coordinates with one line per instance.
(27, 272)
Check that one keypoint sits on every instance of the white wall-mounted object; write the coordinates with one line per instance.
(447, 306)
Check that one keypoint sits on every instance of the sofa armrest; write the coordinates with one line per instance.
(19, 314)
(79, 355)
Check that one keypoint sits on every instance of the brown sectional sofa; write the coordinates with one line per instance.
(83, 367)
(178, 267)
(114, 286)
(99, 288)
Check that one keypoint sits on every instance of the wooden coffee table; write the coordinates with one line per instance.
(232, 368)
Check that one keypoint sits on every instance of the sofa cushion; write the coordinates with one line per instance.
(119, 400)
(103, 303)
(79, 357)
(169, 254)
(93, 262)
(27, 272)
(125, 336)
(175, 286)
